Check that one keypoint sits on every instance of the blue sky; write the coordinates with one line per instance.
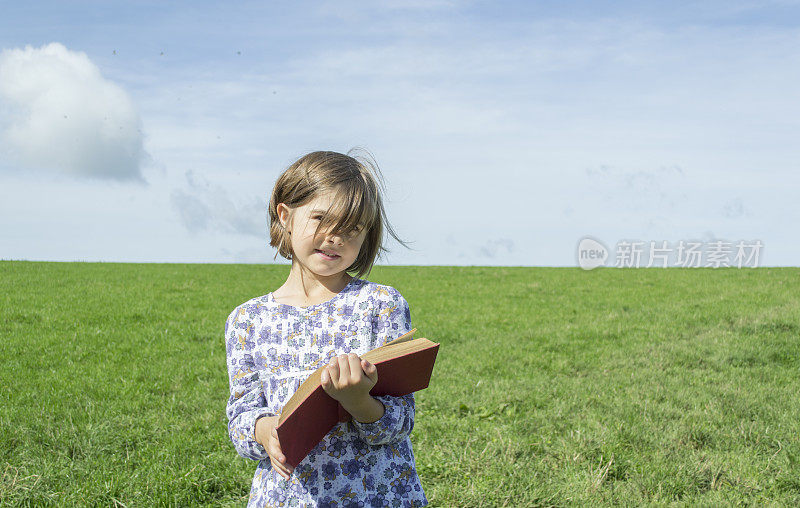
(506, 131)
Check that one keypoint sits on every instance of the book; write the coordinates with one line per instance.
(404, 366)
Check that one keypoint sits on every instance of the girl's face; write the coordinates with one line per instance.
(326, 254)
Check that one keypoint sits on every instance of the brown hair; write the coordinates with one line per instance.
(356, 182)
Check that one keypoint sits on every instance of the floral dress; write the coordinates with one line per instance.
(271, 349)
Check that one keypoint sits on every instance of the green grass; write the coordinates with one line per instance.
(553, 386)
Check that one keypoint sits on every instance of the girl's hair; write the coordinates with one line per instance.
(356, 182)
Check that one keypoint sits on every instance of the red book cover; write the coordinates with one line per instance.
(404, 366)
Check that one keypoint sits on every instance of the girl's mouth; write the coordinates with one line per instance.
(326, 256)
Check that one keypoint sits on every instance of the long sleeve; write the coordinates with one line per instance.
(393, 320)
(246, 402)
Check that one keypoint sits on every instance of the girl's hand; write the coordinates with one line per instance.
(348, 379)
(267, 436)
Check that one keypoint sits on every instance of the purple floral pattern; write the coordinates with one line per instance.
(271, 349)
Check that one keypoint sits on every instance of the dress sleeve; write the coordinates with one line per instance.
(394, 319)
(246, 402)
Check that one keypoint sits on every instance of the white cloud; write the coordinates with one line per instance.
(57, 112)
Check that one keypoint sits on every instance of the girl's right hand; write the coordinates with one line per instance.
(267, 436)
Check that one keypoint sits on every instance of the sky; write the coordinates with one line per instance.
(506, 132)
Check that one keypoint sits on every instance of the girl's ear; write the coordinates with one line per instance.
(284, 214)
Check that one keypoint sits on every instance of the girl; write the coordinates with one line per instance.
(327, 217)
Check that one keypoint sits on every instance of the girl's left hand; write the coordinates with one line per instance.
(348, 379)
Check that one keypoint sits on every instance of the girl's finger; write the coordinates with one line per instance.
(344, 366)
(281, 472)
(370, 370)
(276, 453)
(354, 366)
(281, 468)
(333, 370)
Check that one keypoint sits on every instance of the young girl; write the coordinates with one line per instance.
(327, 216)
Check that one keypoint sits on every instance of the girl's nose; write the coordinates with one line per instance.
(336, 239)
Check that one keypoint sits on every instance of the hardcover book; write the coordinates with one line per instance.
(404, 366)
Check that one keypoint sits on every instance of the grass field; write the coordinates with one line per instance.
(553, 386)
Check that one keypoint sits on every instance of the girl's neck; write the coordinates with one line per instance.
(303, 283)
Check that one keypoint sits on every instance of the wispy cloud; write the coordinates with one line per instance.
(735, 209)
(648, 190)
(59, 113)
(496, 247)
(202, 206)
